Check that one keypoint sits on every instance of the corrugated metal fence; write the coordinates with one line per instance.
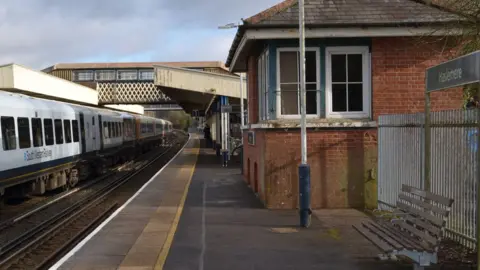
(453, 163)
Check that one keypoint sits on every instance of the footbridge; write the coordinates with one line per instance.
(206, 90)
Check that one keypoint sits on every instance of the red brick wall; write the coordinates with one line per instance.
(252, 90)
(340, 163)
(343, 162)
(398, 76)
(254, 153)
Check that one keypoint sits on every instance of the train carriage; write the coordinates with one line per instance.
(47, 144)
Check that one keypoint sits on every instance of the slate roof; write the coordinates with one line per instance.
(338, 13)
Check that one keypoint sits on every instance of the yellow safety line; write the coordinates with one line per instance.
(162, 257)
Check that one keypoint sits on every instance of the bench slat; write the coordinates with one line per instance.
(385, 237)
(373, 238)
(425, 205)
(428, 195)
(426, 237)
(418, 245)
(396, 234)
(433, 219)
(425, 225)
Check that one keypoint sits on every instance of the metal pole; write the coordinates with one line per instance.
(427, 146)
(242, 121)
(477, 167)
(303, 169)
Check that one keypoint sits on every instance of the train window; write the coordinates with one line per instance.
(93, 120)
(117, 125)
(8, 133)
(68, 131)
(110, 131)
(58, 131)
(105, 129)
(75, 130)
(37, 132)
(23, 132)
(48, 129)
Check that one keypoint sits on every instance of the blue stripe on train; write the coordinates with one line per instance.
(5, 175)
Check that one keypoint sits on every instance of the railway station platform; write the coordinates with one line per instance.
(196, 214)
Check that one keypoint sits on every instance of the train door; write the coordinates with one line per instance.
(93, 133)
(100, 130)
(82, 134)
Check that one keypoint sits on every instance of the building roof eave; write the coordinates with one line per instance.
(242, 29)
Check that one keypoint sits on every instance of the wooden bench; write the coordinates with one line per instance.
(417, 233)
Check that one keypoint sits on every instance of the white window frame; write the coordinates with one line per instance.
(279, 94)
(263, 85)
(367, 89)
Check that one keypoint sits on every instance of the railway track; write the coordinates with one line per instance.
(44, 236)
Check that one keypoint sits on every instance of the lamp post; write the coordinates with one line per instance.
(242, 121)
(303, 168)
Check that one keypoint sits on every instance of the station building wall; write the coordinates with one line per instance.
(343, 159)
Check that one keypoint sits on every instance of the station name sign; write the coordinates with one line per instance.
(457, 72)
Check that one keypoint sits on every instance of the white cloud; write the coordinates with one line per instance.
(38, 33)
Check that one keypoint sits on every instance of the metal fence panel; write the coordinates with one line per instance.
(453, 146)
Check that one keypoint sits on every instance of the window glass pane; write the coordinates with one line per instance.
(23, 132)
(289, 97)
(105, 130)
(58, 131)
(37, 132)
(68, 131)
(339, 68)
(355, 68)
(146, 75)
(311, 66)
(117, 125)
(75, 130)
(8, 133)
(127, 74)
(339, 97)
(355, 97)
(48, 128)
(288, 67)
(110, 132)
(83, 75)
(105, 75)
(311, 97)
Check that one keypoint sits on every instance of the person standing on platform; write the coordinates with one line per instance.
(207, 135)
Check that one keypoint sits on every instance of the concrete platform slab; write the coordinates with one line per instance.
(135, 235)
(225, 226)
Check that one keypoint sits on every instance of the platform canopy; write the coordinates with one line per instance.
(20, 79)
(196, 90)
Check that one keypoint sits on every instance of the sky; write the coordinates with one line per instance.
(40, 33)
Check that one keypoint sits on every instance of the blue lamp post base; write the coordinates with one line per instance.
(304, 195)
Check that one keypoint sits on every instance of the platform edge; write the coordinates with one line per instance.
(162, 257)
(114, 214)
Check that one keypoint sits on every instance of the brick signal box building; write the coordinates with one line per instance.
(364, 58)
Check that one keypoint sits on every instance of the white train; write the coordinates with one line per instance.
(47, 144)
